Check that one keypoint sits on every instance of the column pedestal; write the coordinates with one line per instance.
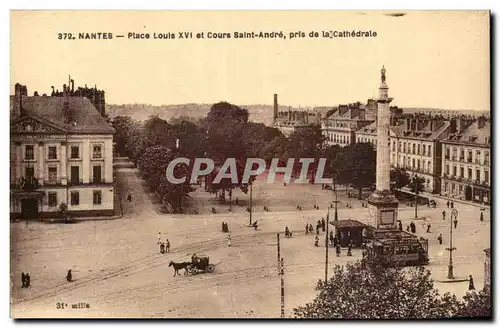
(383, 208)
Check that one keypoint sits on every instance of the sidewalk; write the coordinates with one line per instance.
(446, 198)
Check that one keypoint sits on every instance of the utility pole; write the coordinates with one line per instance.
(415, 184)
(326, 244)
(251, 203)
(282, 272)
(336, 217)
(454, 214)
(279, 255)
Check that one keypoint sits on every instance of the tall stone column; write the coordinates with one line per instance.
(383, 206)
(64, 163)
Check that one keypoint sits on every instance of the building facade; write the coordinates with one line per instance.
(466, 170)
(61, 154)
(340, 126)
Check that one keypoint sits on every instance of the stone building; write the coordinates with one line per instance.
(61, 153)
(466, 170)
(293, 120)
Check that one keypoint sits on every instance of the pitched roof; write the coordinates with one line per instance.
(348, 224)
(79, 116)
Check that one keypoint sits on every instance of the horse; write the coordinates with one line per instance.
(179, 266)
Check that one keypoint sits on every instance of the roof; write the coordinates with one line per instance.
(348, 224)
(474, 135)
(80, 116)
(372, 129)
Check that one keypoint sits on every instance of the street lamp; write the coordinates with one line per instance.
(336, 218)
(415, 187)
(454, 214)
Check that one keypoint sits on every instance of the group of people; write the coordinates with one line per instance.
(321, 224)
(164, 245)
(25, 279)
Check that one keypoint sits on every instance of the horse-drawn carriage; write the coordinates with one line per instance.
(202, 264)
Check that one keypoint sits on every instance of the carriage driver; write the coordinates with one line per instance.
(194, 259)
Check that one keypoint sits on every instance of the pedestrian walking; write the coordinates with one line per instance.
(162, 248)
(167, 246)
(452, 204)
(471, 283)
(27, 278)
(337, 250)
(23, 280)
(448, 204)
(323, 224)
(69, 276)
(429, 228)
(408, 228)
(159, 238)
(316, 241)
(229, 240)
(444, 214)
(481, 217)
(307, 229)
(349, 249)
(331, 237)
(311, 229)
(455, 222)
(440, 239)
(413, 227)
(223, 227)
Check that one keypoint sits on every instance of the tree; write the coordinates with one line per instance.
(334, 161)
(476, 304)
(306, 143)
(122, 126)
(368, 289)
(399, 178)
(359, 166)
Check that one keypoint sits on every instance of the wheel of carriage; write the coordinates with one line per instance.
(194, 270)
(210, 268)
(189, 269)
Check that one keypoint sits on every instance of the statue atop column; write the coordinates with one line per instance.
(382, 73)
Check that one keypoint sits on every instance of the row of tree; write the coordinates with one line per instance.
(226, 133)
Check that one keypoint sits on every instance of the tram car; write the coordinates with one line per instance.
(399, 248)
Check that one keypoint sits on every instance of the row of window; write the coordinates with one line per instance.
(413, 163)
(461, 173)
(29, 152)
(469, 158)
(74, 177)
(338, 138)
(75, 198)
(413, 148)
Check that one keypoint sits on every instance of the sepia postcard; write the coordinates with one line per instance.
(250, 164)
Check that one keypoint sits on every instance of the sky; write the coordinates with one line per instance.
(433, 59)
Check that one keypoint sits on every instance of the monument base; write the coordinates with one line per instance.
(383, 208)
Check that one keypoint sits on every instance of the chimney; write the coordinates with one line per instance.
(17, 100)
(289, 114)
(72, 86)
(275, 108)
(481, 122)
(65, 91)
(53, 91)
(35, 94)
(408, 124)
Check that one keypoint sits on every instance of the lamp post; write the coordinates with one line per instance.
(454, 214)
(251, 203)
(415, 187)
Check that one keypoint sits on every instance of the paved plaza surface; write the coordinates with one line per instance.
(118, 271)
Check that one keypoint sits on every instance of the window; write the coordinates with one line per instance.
(413, 148)
(447, 169)
(29, 152)
(486, 178)
(418, 164)
(96, 151)
(447, 153)
(462, 171)
(454, 171)
(469, 156)
(429, 166)
(75, 174)
(52, 152)
(486, 158)
(454, 154)
(52, 199)
(469, 174)
(418, 149)
(97, 197)
(478, 156)
(478, 175)
(29, 171)
(96, 174)
(400, 147)
(462, 155)
(423, 150)
(75, 152)
(413, 162)
(429, 150)
(404, 147)
(75, 198)
(52, 174)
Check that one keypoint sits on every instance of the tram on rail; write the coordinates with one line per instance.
(398, 247)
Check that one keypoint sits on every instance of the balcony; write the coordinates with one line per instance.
(52, 182)
(28, 183)
(469, 159)
(75, 182)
